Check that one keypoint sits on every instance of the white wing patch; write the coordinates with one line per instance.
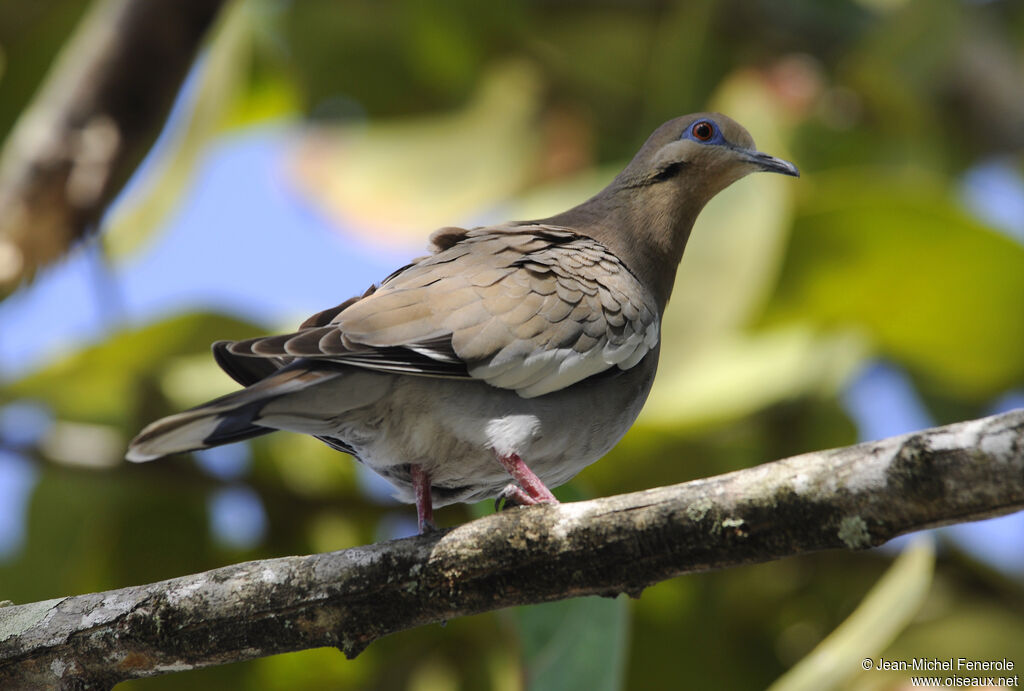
(546, 371)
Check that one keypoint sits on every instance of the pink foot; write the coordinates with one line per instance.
(532, 491)
(424, 504)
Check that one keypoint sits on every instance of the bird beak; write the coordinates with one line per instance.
(769, 163)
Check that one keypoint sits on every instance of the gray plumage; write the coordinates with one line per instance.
(523, 349)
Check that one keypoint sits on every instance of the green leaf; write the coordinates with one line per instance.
(933, 288)
(575, 644)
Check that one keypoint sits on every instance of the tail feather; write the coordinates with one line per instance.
(193, 430)
(224, 420)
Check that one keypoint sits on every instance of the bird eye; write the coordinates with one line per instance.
(702, 131)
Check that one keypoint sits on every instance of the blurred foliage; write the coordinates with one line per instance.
(892, 604)
(437, 167)
(935, 289)
(101, 383)
(408, 115)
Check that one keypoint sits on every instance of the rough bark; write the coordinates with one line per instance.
(850, 498)
(97, 114)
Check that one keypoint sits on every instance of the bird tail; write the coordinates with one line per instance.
(208, 425)
(224, 420)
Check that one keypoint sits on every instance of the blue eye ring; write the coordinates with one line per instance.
(704, 132)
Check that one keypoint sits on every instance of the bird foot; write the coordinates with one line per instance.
(531, 490)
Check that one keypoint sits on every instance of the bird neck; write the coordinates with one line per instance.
(644, 223)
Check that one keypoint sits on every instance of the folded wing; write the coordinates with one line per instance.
(530, 308)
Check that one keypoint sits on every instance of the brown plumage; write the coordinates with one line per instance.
(507, 359)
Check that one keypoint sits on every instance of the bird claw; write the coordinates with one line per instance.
(511, 497)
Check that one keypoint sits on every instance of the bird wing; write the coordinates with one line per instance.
(531, 308)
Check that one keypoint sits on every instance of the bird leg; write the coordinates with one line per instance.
(424, 504)
(533, 490)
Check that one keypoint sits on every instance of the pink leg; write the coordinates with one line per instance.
(424, 504)
(534, 491)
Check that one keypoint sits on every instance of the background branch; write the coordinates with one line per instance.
(849, 498)
(90, 124)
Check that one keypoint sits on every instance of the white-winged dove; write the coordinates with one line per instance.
(505, 361)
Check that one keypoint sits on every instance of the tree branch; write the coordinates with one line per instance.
(90, 124)
(850, 498)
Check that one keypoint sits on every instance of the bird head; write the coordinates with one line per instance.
(646, 213)
(704, 152)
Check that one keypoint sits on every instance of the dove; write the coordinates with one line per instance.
(506, 360)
